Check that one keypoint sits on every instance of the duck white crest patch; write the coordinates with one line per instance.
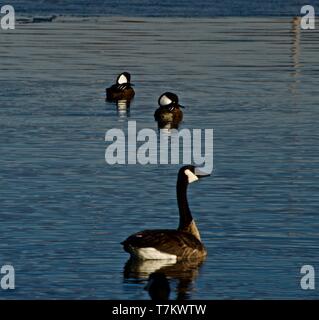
(122, 79)
(191, 176)
(164, 101)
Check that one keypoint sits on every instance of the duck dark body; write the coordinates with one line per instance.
(168, 119)
(120, 92)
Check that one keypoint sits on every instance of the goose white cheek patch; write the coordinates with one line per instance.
(191, 176)
(164, 101)
(122, 79)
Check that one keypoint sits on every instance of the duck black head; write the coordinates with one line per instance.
(169, 100)
(123, 78)
(189, 174)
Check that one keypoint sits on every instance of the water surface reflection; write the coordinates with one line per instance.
(183, 272)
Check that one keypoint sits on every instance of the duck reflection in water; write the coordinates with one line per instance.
(123, 108)
(182, 272)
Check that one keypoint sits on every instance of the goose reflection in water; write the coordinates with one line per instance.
(158, 287)
(182, 272)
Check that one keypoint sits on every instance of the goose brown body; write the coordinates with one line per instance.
(172, 242)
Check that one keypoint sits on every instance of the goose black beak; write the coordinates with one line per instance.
(181, 106)
(200, 174)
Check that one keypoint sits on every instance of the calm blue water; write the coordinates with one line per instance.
(64, 211)
(163, 8)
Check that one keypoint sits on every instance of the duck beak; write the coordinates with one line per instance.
(200, 174)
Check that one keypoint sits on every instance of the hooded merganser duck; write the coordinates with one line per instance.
(169, 114)
(122, 89)
(123, 108)
(183, 243)
(158, 287)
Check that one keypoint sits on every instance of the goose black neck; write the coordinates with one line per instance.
(185, 216)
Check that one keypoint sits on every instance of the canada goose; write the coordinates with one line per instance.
(122, 89)
(169, 114)
(183, 243)
(158, 287)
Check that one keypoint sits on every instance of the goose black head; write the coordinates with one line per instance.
(158, 286)
(123, 78)
(191, 173)
(169, 100)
